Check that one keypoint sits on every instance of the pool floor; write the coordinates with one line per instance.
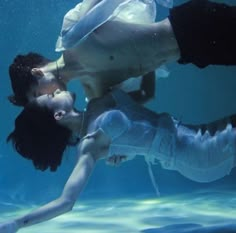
(189, 213)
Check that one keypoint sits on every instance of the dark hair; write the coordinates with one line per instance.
(21, 78)
(38, 137)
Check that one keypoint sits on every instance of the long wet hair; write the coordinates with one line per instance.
(21, 78)
(37, 136)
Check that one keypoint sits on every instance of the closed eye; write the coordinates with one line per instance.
(51, 95)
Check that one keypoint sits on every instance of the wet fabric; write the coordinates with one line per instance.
(82, 20)
(135, 130)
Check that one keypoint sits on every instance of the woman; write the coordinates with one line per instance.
(106, 42)
(114, 125)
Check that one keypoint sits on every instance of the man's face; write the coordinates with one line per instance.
(46, 84)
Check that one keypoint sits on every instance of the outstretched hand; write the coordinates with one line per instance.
(8, 227)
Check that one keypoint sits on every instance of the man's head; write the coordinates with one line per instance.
(28, 84)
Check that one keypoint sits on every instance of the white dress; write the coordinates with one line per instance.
(88, 15)
(197, 153)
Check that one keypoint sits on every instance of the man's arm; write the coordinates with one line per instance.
(72, 189)
(147, 89)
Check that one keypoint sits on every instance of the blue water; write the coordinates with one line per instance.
(190, 94)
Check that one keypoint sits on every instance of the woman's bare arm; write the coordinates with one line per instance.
(72, 189)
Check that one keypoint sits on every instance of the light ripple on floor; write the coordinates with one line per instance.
(202, 212)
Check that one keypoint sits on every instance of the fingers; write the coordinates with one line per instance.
(115, 160)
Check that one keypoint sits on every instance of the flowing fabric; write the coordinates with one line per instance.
(87, 16)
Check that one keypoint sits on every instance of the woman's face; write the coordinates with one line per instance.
(58, 100)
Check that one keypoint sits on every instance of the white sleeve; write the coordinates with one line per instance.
(89, 15)
(70, 18)
(92, 19)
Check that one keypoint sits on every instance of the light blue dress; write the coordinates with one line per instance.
(197, 155)
(87, 16)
